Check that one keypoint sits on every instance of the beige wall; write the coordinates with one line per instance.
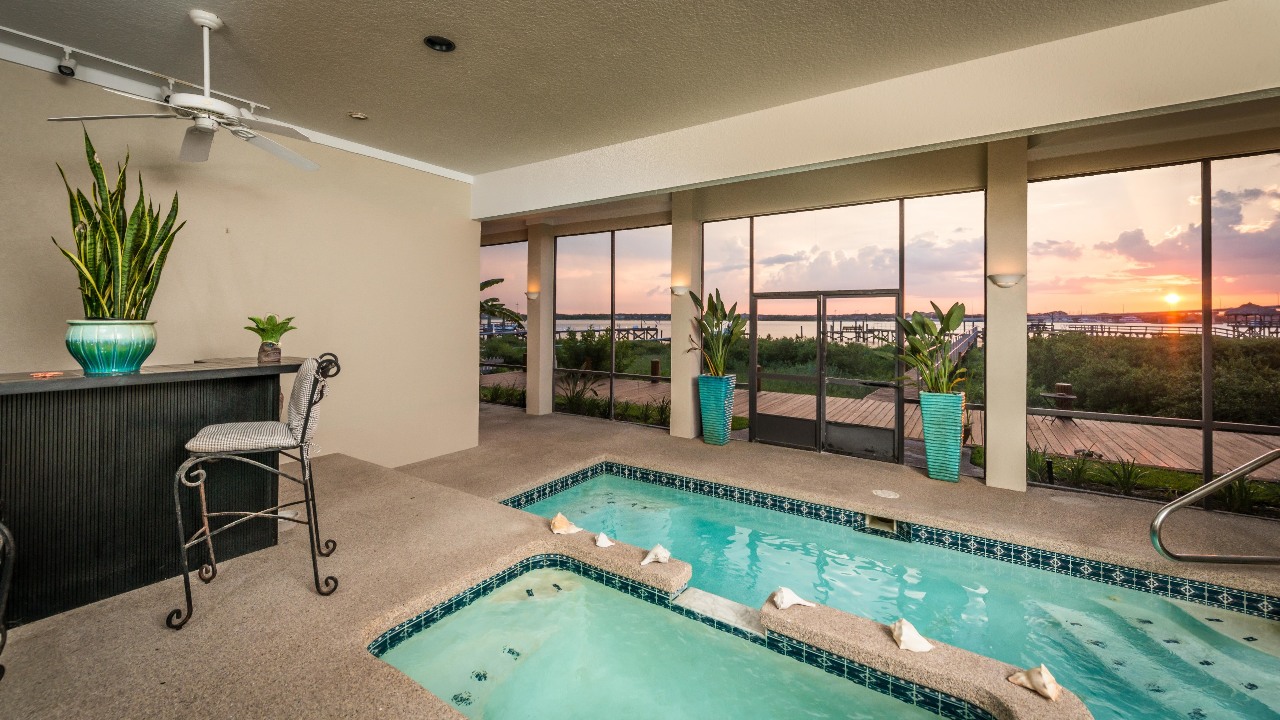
(1006, 321)
(927, 173)
(378, 262)
(686, 270)
(541, 322)
(1242, 143)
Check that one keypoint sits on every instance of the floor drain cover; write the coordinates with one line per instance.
(886, 494)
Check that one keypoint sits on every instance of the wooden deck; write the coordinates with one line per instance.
(1157, 446)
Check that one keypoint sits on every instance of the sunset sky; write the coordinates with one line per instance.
(1119, 242)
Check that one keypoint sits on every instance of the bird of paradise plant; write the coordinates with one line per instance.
(719, 330)
(928, 349)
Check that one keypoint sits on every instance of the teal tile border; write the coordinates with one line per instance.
(426, 619)
(906, 691)
(1209, 594)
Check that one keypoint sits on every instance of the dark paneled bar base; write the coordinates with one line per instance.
(87, 472)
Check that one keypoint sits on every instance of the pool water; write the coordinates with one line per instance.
(553, 644)
(1127, 654)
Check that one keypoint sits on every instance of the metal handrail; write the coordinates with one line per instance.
(1205, 490)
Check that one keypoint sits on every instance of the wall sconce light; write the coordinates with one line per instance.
(679, 290)
(532, 294)
(1005, 280)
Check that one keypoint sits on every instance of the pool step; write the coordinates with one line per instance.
(1217, 649)
(1249, 631)
(722, 609)
(1157, 654)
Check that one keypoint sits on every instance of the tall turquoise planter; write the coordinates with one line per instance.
(111, 347)
(942, 416)
(715, 399)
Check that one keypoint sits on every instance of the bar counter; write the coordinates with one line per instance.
(87, 475)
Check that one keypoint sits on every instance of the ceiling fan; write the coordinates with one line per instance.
(207, 114)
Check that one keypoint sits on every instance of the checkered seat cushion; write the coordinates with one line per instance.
(242, 437)
(271, 435)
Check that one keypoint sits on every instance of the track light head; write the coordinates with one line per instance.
(67, 67)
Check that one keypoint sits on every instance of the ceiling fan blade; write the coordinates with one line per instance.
(279, 151)
(270, 126)
(195, 145)
(140, 97)
(113, 117)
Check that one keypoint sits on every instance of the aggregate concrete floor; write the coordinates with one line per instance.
(518, 452)
(262, 643)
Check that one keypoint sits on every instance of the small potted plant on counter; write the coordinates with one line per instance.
(937, 375)
(119, 254)
(719, 330)
(269, 330)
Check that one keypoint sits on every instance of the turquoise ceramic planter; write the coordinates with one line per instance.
(942, 416)
(111, 347)
(715, 399)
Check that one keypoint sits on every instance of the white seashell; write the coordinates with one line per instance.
(560, 525)
(657, 554)
(603, 540)
(784, 598)
(1039, 680)
(908, 638)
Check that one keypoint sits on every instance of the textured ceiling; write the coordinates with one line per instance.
(535, 80)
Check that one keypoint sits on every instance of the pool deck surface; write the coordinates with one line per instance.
(262, 643)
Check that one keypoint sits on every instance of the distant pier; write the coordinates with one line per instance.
(1039, 328)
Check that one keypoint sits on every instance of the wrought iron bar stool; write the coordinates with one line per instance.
(6, 580)
(232, 441)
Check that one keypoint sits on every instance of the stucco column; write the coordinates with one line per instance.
(686, 270)
(1006, 341)
(541, 325)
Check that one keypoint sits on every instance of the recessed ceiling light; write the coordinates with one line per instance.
(358, 116)
(439, 43)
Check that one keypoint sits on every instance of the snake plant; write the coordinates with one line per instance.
(928, 350)
(270, 328)
(119, 253)
(720, 330)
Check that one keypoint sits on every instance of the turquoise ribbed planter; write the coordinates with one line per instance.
(715, 399)
(942, 416)
(111, 347)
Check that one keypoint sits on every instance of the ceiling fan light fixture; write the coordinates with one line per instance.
(206, 113)
(440, 43)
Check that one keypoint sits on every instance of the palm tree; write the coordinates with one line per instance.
(492, 307)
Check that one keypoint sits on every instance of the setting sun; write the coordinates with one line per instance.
(1172, 299)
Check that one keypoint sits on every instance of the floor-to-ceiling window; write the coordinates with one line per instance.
(503, 342)
(913, 251)
(726, 268)
(1245, 263)
(1116, 292)
(944, 258)
(613, 325)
